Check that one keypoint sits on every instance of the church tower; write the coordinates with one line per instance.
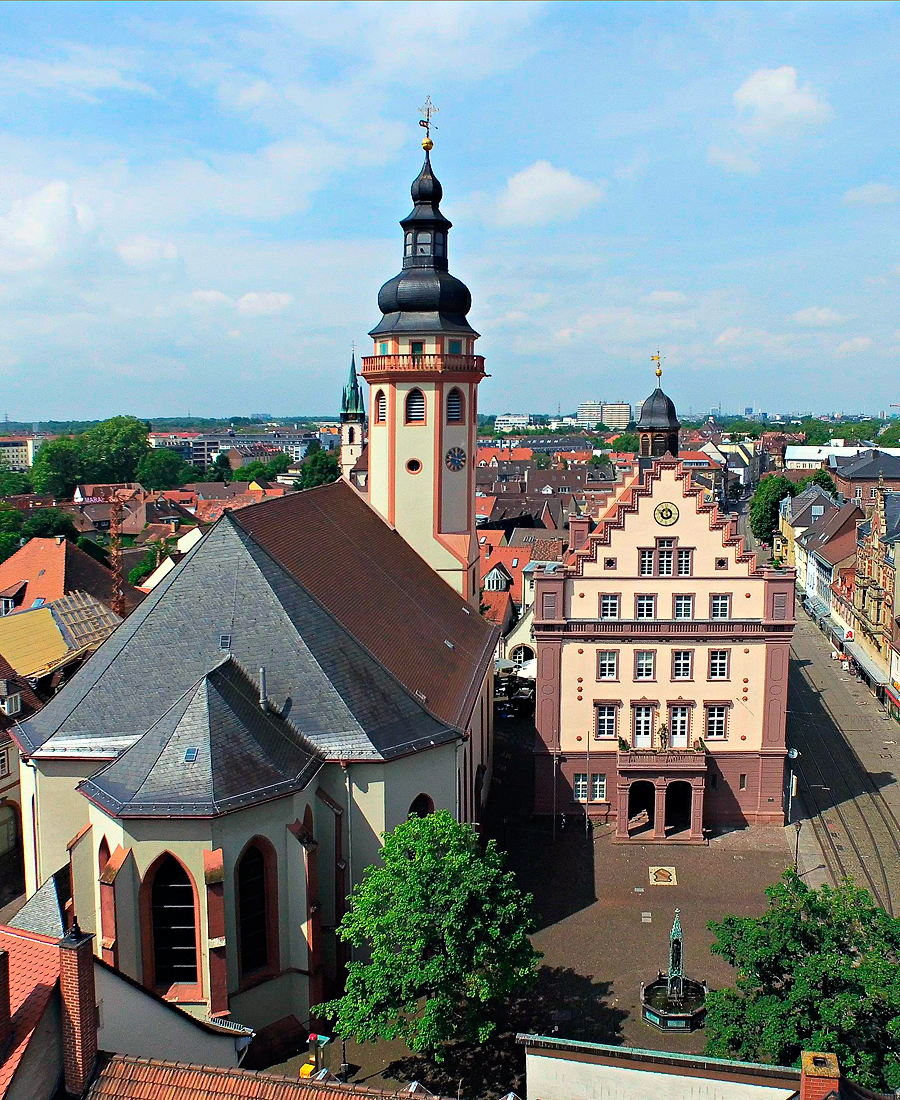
(423, 377)
(658, 426)
(353, 422)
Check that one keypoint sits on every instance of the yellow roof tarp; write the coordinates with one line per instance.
(31, 640)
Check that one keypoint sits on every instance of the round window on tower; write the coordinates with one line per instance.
(414, 465)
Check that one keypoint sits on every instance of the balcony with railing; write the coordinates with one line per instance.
(659, 628)
(374, 365)
(662, 760)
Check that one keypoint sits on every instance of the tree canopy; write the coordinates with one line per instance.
(57, 468)
(321, 469)
(108, 452)
(162, 468)
(627, 442)
(446, 931)
(45, 523)
(764, 505)
(819, 970)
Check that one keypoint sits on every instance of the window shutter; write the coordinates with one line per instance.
(548, 605)
(454, 407)
(415, 407)
(380, 408)
(779, 605)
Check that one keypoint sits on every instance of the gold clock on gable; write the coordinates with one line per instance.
(665, 513)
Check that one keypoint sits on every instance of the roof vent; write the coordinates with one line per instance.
(190, 756)
(449, 644)
(263, 694)
(224, 641)
(421, 695)
(466, 610)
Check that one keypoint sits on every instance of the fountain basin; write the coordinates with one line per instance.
(665, 1013)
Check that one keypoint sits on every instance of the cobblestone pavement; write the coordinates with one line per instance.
(850, 752)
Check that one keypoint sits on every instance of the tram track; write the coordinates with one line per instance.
(838, 790)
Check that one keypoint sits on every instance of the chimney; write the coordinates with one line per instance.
(79, 1009)
(263, 694)
(579, 529)
(820, 1075)
(5, 1012)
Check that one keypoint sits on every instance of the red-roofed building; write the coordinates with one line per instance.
(498, 608)
(561, 459)
(493, 456)
(501, 569)
(483, 508)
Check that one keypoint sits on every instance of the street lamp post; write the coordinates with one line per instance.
(793, 754)
(798, 825)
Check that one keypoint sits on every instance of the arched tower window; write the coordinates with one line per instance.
(423, 243)
(454, 407)
(256, 879)
(103, 855)
(351, 435)
(409, 244)
(415, 407)
(173, 925)
(380, 407)
(421, 806)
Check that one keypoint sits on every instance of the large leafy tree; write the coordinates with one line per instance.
(321, 469)
(819, 970)
(445, 929)
(57, 468)
(112, 451)
(820, 477)
(161, 468)
(764, 505)
(12, 482)
(47, 522)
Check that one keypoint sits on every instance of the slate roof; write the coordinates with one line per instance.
(216, 749)
(799, 508)
(833, 536)
(873, 464)
(892, 517)
(44, 912)
(349, 622)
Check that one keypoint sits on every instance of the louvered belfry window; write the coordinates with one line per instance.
(252, 915)
(380, 408)
(174, 929)
(454, 407)
(415, 407)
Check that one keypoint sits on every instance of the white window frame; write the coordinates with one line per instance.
(610, 714)
(690, 604)
(666, 562)
(647, 564)
(12, 704)
(641, 603)
(644, 659)
(716, 716)
(642, 727)
(718, 670)
(715, 602)
(598, 786)
(679, 726)
(683, 664)
(580, 786)
(688, 556)
(616, 602)
(605, 659)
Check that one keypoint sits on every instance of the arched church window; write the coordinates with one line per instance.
(103, 855)
(521, 654)
(454, 407)
(409, 244)
(253, 893)
(173, 925)
(423, 243)
(415, 407)
(380, 407)
(421, 806)
(351, 435)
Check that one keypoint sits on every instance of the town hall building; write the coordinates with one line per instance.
(216, 778)
(662, 659)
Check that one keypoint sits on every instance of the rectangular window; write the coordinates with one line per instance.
(579, 786)
(598, 787)
(644, 664)
(742, 781)
(12, 704)
(685, 563)
(858, 492)
(645, 607)
(608, 664)
(548, 605)
(683, 607)
(606, 720)
(417, 347)
(716, 722)
(779, 606)
(643, 727)
(384, 349)
(718, 664)
(4, 762)
(664, 559)
(646, 563)
(720, 607)
(679, 726)
(682, 664)
(456, 347)
(609, 607)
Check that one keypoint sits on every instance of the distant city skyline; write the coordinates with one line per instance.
(199, 202)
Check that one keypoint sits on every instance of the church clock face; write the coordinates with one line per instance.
(665, 514)
(455, 458)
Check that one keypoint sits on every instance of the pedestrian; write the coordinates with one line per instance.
(562, 823)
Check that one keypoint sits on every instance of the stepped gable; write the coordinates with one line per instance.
(350, 624)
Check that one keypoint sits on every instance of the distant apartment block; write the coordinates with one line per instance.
(616, 415)
(512, 422)
(17, 451)
(589, 414)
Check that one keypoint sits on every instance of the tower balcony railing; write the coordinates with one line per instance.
(426, 363)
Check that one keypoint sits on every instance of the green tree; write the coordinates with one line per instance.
(220, 469)
(446, 931)
(97, 552)
(12, 482)
(57, 468)
(819, 970)
(818, 478)
(541, 461)
(252, 471)
(112, 451)
(280, 464)
(10, 519)
(9, 544)
(321, 469)
(764, 505)
(627, 442)
(162, 468)
(47, 522)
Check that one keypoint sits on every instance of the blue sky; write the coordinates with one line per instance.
(199, 202)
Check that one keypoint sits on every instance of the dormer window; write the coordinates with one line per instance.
(423, 243)
(7, 606)
(12, 704)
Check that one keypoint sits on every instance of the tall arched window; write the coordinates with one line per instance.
(103, 855)
(173, 925)
(454, 407)
(380, 407)
(351, 435)
(415, 407)
(421, 806)
(256, 881)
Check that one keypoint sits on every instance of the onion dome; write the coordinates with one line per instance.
(658, 412)
(424, 297)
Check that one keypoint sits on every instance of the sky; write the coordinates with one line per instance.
(199, 202)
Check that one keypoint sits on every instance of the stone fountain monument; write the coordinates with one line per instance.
(674, 1002)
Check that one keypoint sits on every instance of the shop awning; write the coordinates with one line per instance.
(818, 608)
(865, 662)
(834, 628)
(893, 694)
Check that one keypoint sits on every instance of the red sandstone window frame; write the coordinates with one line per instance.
(607, 679)
(718, 704)
(423, 423)
(616, 705)
(709, 675)
(682, 704)
(617, 596)
(690, 675)
(689, 551)
(250, 978)
(643, 653)
(720, 596)
(683, 596)
(653, 707)
(178, 991)
(639, 596)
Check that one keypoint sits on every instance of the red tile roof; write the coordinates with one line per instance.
(127, 1078)
(54, 567)
(503, 454)
(497, 607)
(505, 556)
(33, 974)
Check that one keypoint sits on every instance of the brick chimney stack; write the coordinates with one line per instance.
(79, 1009)
(579, 529)
(820, 1075)
(5, 1013)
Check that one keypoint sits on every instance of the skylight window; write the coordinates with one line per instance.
(190, 756)
(224, 641)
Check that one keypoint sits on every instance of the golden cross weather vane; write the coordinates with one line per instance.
(657, 359)
(428, 109)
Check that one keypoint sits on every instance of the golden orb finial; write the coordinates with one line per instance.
(657, 359)
(428, 110)
(427, 143)
(659, 372)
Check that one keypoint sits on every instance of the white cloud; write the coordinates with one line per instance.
(211, 298)
(731, 160)
(665, 298)
(144, 253)
(259, 303)
(541, 194)
(46, 228)
(773, 102)
(817, 317)
(851, 347)
(729, 335)
(82, 74)
(872, 194)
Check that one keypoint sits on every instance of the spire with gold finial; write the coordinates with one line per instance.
(428, 109)
(657, 359)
